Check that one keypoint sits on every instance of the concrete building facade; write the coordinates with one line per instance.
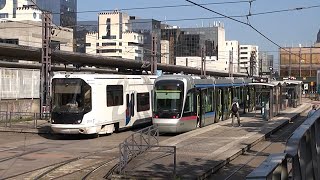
(64, 12)
(29, 33)
(114, 38)
(232, 48)
(165, 52)
(248, 59)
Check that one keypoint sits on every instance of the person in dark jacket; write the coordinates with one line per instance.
(235, 111)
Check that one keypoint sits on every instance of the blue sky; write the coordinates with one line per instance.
(286, 28)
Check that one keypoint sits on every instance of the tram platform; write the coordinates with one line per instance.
(205, 150)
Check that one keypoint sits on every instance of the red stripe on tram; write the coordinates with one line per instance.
(188, 118)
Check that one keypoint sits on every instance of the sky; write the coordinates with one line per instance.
(285, 28)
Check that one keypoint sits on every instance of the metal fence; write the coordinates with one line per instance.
(23, 120)
(140, 142)
(301, 159)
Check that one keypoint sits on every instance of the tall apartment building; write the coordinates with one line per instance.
(249, 55)
(232, 48)
(114, 38)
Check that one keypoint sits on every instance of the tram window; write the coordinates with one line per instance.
(209, 101)
(189, 105)
(114, 95)
(143, 102)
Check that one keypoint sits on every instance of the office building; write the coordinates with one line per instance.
(248, 59)
(232, 48)
(83, 28)
(165, 52)
(64, 12)
(149, 28)
(10, 32)
(187, 44)
(301, 63)
(114, 38)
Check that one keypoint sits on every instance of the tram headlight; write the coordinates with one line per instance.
(79, 121)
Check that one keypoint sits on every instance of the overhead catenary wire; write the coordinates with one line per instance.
(205, 18)
(244, 23)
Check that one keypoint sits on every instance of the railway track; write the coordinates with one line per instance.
(240, 167)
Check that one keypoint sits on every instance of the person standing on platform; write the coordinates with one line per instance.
(235, 111)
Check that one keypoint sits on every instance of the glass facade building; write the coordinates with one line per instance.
(64, 11)
(147, 27)
(187, 42)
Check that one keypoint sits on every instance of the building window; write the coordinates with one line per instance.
(109, 44)
(10, 41)
(4, 15)
(108, 50)
(243, 47)
(243, 58)
(137, 58)
(97, 44)
(120, 43)
(243, 52)
(87, 44)
(143, 102)
(114, 95)
(109, 37)
(108, 20)
(138, 51)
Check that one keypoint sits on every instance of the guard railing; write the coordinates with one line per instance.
(301, 159)
(22, 119)
(139, 142)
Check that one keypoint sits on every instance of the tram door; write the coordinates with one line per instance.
(130, 104)
(201, 107)
(219, 105)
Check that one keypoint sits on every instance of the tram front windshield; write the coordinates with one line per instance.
(168, 99)
(71, 96)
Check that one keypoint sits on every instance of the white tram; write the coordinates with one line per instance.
(99, 104)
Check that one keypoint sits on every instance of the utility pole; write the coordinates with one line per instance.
(310, 62)
(230, 63)
(290, 62)
(300, 61)
(203, 61)
(45, 74)
(154, 54)
(252, 59)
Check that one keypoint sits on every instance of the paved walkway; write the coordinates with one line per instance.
(203, 151)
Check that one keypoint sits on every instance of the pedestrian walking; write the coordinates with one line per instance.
(235, 111)
(312, 111)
